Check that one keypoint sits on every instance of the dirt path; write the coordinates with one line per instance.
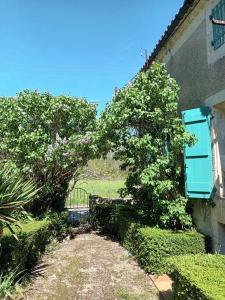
(91, 267)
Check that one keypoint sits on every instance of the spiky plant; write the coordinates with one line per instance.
(8, 282)
(15, 192)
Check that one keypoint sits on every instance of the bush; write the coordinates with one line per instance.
(198, 277)
(48, 139)
(24, 253)
(151, 246)
(142, 128)
(108, 217)
(59, 224)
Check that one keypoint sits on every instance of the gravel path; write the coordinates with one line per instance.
(91, 267)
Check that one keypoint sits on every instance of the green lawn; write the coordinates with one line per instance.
(103, 188)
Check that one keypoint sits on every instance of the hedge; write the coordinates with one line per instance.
(198, 277)
(24, 253)
(150, 246)
(108, 217)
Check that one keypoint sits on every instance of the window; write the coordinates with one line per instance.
(218, 13)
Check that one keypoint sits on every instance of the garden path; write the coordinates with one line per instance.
(91, 267)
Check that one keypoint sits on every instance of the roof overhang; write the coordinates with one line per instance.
(184, 11)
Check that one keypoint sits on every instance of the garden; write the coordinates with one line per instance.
(51, 145)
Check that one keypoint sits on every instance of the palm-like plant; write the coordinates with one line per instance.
(14, 194)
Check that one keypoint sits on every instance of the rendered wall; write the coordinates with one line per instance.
(200, 72)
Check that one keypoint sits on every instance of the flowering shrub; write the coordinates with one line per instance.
(143, 129)
(48, 138)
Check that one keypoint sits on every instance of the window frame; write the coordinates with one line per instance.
(218, 12)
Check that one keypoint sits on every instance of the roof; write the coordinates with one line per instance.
(176, 22)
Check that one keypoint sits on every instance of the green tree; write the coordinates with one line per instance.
(49, 139)
(143, 129)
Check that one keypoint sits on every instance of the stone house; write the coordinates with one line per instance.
(193, 49)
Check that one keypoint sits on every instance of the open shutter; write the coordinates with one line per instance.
(218, 13)
(198, 158)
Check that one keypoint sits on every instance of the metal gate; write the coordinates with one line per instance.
(77, 203)
(78, 198)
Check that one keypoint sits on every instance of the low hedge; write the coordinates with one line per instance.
(108, 217)
(24, 253)
(150, 246)
(198, 277)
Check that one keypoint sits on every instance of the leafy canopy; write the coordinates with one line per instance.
(143, 129)
(49, 139)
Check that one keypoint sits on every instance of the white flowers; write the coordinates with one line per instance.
(59, 140)
(22, 111)
(85, 140)
(52, 148)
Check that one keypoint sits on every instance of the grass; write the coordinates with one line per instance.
(103, 188)
(124, 295)
(26, 227)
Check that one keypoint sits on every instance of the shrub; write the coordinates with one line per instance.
(14, 194)
(142, 127)
(59, 224)
(33, 237)
(48, 139)
(108, 217)
(198, 277)
(24, 252)
(151, 246)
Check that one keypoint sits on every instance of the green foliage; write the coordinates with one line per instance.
(14, 193)
(59, 225)
(33, 236)
(173, 214)
(151, 246)
(24, 253)
(107, 216)
(48, 138)
(198, 277)
(7, 283)
(143, 129)
(19, 256)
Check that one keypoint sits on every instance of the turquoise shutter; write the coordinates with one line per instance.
(198, 158)
(218, 13)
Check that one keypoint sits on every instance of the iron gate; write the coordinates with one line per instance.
(78, 198)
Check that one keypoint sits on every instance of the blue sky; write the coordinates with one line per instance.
(77, 47)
